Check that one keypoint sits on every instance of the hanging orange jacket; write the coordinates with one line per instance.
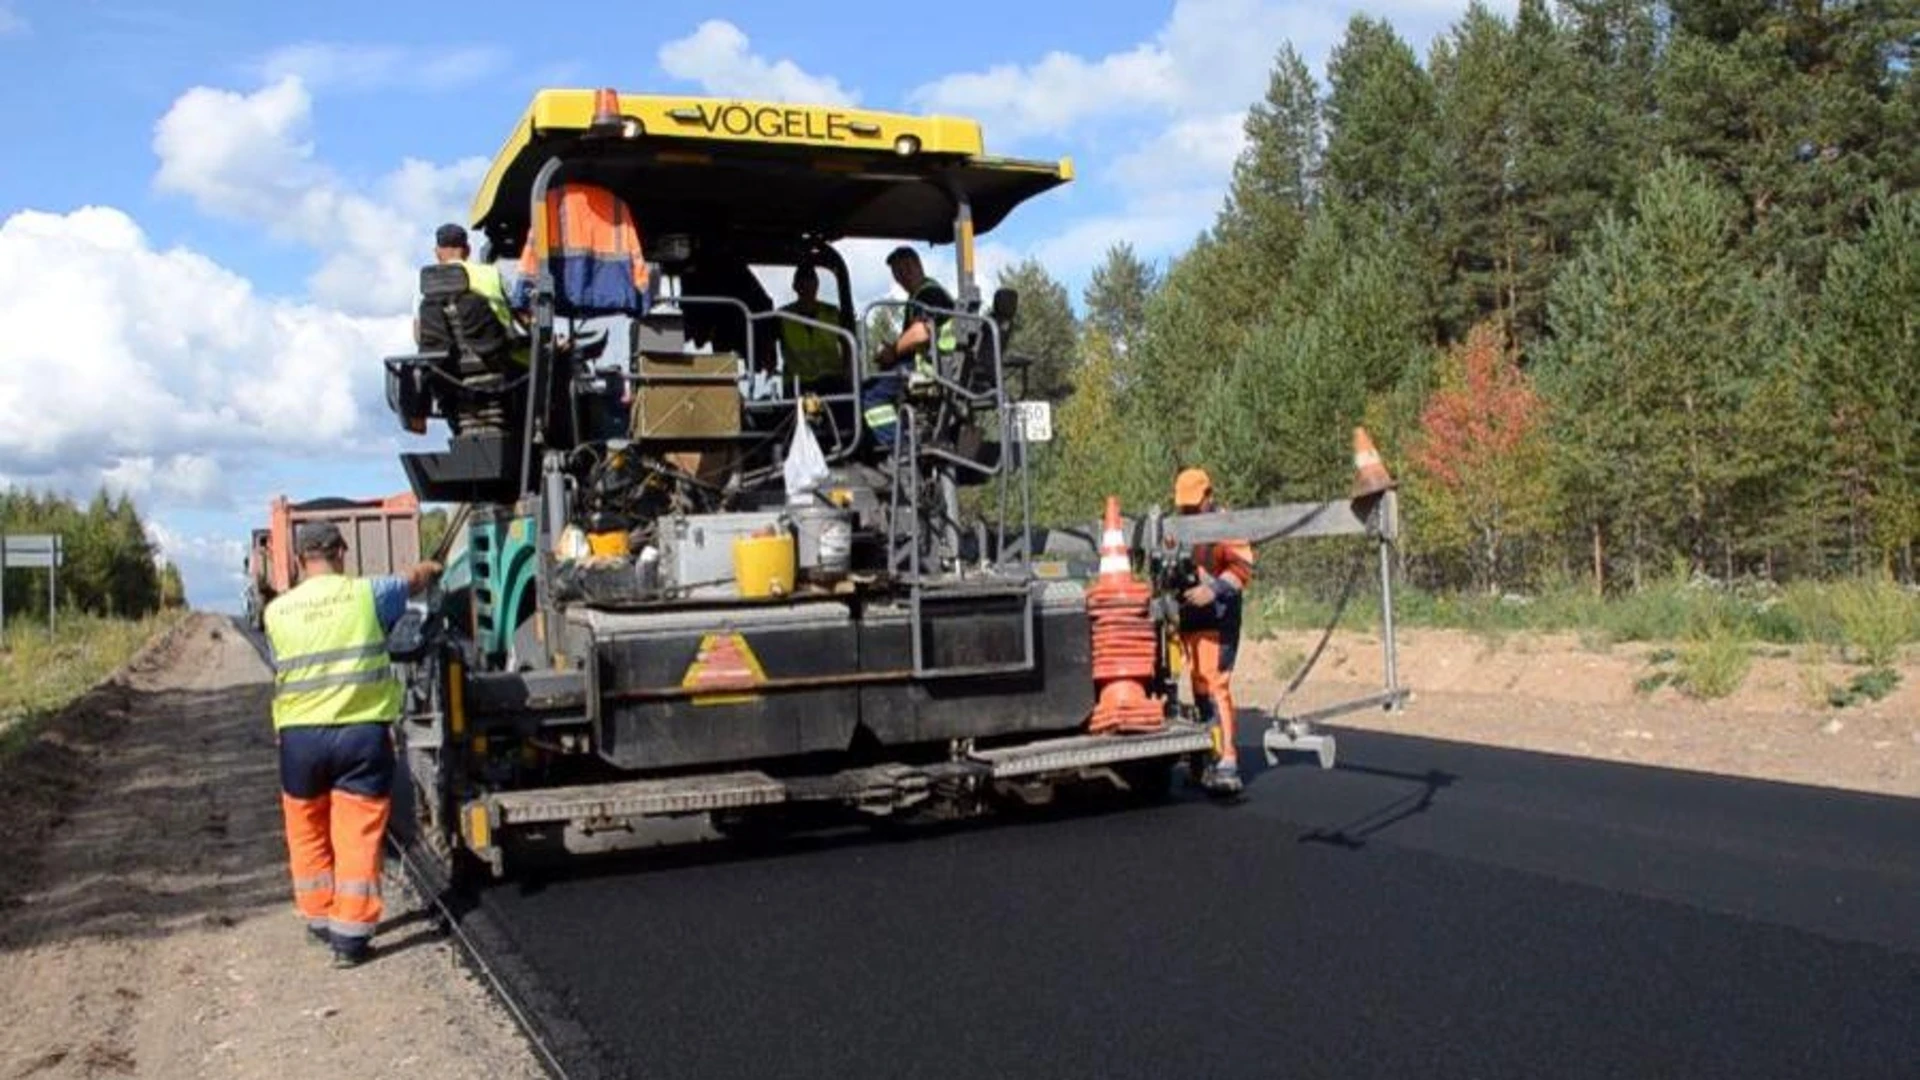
(592, 248)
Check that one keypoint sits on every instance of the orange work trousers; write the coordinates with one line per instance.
(1209, 657)
(336, 785)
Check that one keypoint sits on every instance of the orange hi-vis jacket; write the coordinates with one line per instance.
(1230, 561)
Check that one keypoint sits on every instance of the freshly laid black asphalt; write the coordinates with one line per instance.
(1427, 909)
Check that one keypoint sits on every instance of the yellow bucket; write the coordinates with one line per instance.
(607, 543)
(764, 565)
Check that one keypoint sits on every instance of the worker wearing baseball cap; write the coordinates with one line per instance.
(450, 246)
(335, 699)
(1210, 627)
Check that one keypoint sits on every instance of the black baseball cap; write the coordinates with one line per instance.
(450, 236)
(318, 537)
(901, 252)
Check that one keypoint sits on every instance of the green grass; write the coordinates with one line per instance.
(40, 676)
(1866, 686)
(1867, 622)
(1714, 665)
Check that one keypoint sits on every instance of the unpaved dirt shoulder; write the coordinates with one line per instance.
(150, 931)
(1552, 694)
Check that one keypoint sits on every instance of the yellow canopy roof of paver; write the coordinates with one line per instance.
(761, 172)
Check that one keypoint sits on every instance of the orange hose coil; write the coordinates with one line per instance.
(1125, 641)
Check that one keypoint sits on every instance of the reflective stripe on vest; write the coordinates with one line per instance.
(944, 339)
(812, 353)
(330, 656)
(592, 248)
(926, 362)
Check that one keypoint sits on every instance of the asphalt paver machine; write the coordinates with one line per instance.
(642, 617)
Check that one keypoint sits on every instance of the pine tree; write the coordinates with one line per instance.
(1117, 295)
(1343, 331)
(1044, 330)
(1381, 125)
(1868, 363)
(1478, 93)
(108, 566)
(1604, 94)
(1274, 181)
(1662, 336)
(1094, 453)
(135, 575)
(173, 589)
(1790, 106)
(1196, 320)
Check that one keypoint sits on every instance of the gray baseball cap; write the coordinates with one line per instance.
(315, 537)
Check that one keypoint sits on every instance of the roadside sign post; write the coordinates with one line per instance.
(1035, 421)
(38, 551)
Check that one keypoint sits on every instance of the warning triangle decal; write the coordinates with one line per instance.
(723, 666)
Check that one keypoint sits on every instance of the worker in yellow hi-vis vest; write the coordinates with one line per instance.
(816, 358)
(335, 699)
(926, 334)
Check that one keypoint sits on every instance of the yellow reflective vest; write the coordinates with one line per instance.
(330, 661)
(484, 279)
(812, 353)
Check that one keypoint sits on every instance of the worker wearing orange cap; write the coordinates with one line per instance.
(1210, 628)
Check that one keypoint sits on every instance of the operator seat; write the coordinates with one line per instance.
(467, 372)
(474, 365)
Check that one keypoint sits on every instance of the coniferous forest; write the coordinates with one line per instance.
(1620, 289)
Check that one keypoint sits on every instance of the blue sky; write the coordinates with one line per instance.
(209, 212)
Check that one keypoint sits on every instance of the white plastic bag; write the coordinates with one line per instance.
(806, 467)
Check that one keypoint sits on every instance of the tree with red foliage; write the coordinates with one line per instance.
(1480, 456)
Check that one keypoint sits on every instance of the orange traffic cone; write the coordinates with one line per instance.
(1124, 639)
(1370, 476)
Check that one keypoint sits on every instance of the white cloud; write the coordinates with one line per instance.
(1176, 102)
(12, 22)
(1155, 227)
(192, 479)
(348, 66)
(1193, 149)
(250, 157)
(1050, 96)
(1211, 55)
(718, 57)
(157, 372)
(211, 564)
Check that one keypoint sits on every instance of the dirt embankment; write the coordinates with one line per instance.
(1551, 693)
(145, 922)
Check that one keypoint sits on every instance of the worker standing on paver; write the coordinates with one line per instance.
(1210, 628)
(334, 702)
(925, 328)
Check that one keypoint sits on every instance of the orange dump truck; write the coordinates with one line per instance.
(383, 537)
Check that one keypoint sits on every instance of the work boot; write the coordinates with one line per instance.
(1222, 778)
(319, 935)
(351, 952)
